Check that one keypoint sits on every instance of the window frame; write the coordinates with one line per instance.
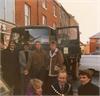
(44, 20)
(54, 10)
(27, 15)
(44, 4)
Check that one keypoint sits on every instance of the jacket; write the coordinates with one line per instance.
(55, 61)
(88, 89)
(37, 64)
(56, 90)
(22, 59)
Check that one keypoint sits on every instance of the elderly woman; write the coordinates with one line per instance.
(34, 88)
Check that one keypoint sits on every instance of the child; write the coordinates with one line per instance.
(35, 87)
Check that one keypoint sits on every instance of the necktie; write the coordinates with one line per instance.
(62, 88)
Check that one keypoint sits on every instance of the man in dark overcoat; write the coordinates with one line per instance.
(10, 67)
(36, 67)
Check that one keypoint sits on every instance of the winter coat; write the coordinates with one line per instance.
(37, 64)
(22, 59)
(88, 89)
(55, 62)
(10, 67)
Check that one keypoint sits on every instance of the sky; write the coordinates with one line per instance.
(87, 14)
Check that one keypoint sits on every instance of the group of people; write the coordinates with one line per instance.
(62, 87)
(38, 72)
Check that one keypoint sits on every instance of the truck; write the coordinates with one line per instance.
(67, 38)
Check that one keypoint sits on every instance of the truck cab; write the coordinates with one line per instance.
(30, 34)
(67, 39)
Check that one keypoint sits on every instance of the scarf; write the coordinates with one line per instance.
(54, 53)
(51, 56)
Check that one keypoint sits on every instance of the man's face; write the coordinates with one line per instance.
(12, 46)
(62, 78)
(53, 46)
(38, 45)
(84, 79)
(26, 47)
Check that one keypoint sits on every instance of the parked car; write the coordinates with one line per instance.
(91, 62)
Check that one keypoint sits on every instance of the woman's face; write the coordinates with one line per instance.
(38, 91)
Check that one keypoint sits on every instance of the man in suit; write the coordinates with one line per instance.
(11, 68)
(61, 87)
(24, 56)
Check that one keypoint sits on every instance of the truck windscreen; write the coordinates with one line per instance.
(31, 35)
(67, 34)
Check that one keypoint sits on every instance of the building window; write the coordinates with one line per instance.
(98, 41)
(27, 14)
(44, 20)
(5, 35)
(97, 47)
(54, 10)
(7, 10)
(44, 4)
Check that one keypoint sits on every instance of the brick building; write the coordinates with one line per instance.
(64, 17)
(42, 12)
(7, 20)
(34, 12)
(95, 43)
(37, 12)
(87, 48)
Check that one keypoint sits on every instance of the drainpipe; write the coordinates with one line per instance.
(37, 12)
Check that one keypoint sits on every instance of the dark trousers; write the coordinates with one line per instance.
(24, 83)
(38, 73)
